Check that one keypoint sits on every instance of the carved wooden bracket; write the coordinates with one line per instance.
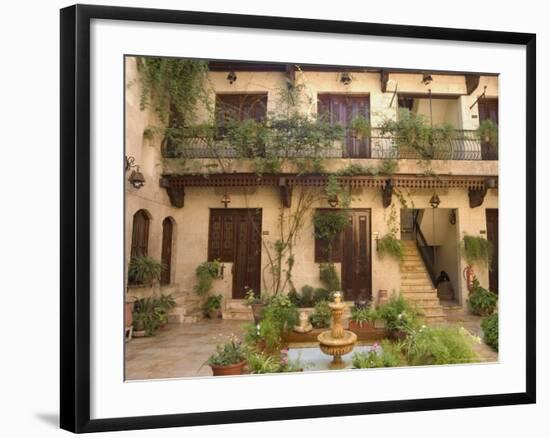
(384, 77)
(286, 192)
(476, 196)
(387, 193)
(472, 82)
(176, 194)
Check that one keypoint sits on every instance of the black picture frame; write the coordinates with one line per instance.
(75, 217)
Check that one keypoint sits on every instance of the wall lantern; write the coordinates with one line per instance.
(435, 201)
(345, 78)
(231, 77)
(452, 217)
(427, 79)
(136, 177)
(376, 239)
(333, 201)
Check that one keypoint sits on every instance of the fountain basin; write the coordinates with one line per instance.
(337, 347)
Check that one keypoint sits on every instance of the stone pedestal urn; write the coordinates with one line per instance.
(337, 342)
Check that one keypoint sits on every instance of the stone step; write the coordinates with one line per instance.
(434, 320)
(406, 282)
(419, 295)
(236, 304)
(177, 315)
(238, 314)
(410, 275)
(193, 317)
(419, 287)
(423, 302)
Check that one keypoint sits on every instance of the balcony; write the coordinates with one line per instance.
(460, 145)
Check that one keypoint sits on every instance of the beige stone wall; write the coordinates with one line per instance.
(191, 222)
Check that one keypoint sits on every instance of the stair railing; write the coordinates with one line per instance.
(427, 252)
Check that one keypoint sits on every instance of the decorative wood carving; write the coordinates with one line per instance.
(387, 193)
(291, 72)
(285, 192)
(384, 77)
(476, 196)
(176, 195)
(472, 82)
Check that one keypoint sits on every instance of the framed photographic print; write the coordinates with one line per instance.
(270, 218)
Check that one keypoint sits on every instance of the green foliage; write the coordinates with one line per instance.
(174, 87)
(329, 277)
(489, 325)
(263, 363)
(321, 294)
(360, 126)
(282, 311)
(213, 302)
(143, 270)
(488, 132)
(391, 246)
(388, 166)
(229, 353)
(412, 131)
(328, 225)
(481, 301)
(439, 345)
(384, 355)
(398, 314)
(476, 249)
(321, 315)
(362, 315)
(206, 272)
(252, 298)
(151, 312)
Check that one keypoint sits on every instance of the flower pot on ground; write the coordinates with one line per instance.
(228, 359)
(128, 311)
(212, 306)
(399, 316)
(362, 315)
(481, 301)
(256, 303)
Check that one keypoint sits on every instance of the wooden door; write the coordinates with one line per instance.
(492, 235)
(166, 253)
(488, 110)
(356, 256)
(235, 236)
(342, 109)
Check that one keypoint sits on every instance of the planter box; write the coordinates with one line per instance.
(365, 334)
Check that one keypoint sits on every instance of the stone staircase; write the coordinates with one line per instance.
(416, 285)
(237, 310)
(187, 309)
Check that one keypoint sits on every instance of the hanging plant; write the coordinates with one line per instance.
(476, 249)
(206, 273)
(391, 246)
(143, 270)
(360, 127)
(488, 132)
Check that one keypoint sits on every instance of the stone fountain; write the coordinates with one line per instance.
(337, 342)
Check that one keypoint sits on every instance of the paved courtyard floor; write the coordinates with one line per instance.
(181, 350)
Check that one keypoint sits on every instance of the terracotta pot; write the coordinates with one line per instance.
(358, 326)
(214, 314)
(128, 317)
(257, 310)
(228, 370)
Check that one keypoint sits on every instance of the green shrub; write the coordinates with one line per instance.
(306, 299)
(321, 315)
(391, 246)
(476, 249)
(482, 301)
(214, 302)
(143, 270)
(439, 346)
(398, 314)
(295, 298)
(362, 315)
(229, 353)
(321, 294)
(489, 325)
(488, 132)
(206, 272)
(385, 355)
(329, 277)
(262, 363)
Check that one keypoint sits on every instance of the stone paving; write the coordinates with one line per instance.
(181, 350)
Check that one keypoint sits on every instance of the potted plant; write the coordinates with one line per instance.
(143, 270)
(163, 305)
(481, 301)
(488, 132)
(399, 316)
(145, 318)
(257, 303)
(206, 273)
(128, 311)
(362, 315)
(321, 315)
(212, 306)
(229, 359)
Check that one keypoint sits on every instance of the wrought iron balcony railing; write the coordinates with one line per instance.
(460, 145)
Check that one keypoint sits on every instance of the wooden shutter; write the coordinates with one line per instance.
(221, 238)
(140, 234)
(166, 257)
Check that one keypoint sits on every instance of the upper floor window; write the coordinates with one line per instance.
(342, 109)
(239, 107)
(488, 110)
(140, 234)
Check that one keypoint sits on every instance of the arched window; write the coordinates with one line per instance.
(167, 232)
(140, 234)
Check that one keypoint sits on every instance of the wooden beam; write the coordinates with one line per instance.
(387, 193)
(291, 72)
(472, 82)
(384, 77)
(286, 193)
(476, 196)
